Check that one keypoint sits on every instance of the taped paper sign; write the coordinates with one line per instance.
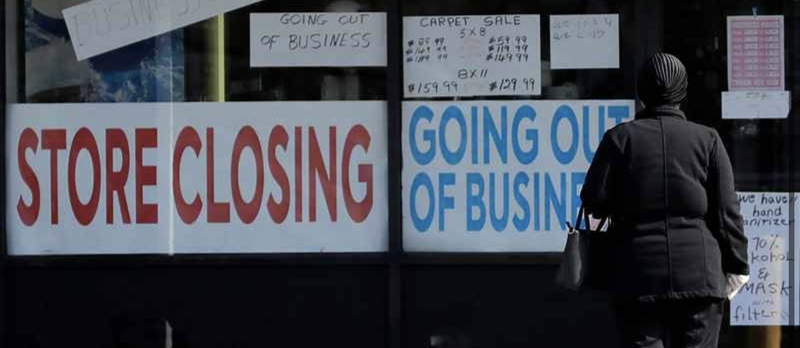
(498, 176)
(100, 26)
(771, 296)
(131, 178)
(584, 41)
(756, 104)
(755, 53)
(472, 55)
(318, 39)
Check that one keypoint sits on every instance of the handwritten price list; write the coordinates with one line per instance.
(755, 53)
(503, 49)
(767, 298)
(447, 56)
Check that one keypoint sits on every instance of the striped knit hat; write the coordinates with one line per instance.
(662, 81)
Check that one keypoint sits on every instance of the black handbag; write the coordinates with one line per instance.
(587, 259)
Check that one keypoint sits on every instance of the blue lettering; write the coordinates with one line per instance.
(537, 203)
(619, 113)
(498, 223)
(453, 157)
(578, 179)
(564, 112)
(474, 133)
(521, 222)
(475, 200)
(422, 180)
(525, 157)
(423, 158)
(499, 138)
(552, 202)
(445, 201)
(588, 149)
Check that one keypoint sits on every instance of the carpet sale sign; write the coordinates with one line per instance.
(197, 178)
(498, 175)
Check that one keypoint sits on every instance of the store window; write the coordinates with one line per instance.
(519, 129)
(279, 106)
(410, 166)
(145, 130)
(470, 188)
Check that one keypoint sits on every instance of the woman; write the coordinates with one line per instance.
(667, 185)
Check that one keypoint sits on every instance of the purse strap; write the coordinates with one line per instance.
(585, 217)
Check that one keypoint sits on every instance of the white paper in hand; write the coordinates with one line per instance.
(735, 282)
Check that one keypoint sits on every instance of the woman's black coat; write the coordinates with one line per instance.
(667, 185)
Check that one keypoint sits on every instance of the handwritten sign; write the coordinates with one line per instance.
(498, 176)
(755, 53)
(318, 39)
(756, 104)
(584, 41)
(99, 26)
(769, 296)
(472, 55)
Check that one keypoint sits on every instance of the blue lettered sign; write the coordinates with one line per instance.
(492, 176)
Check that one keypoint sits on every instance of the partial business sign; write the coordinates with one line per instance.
(100, 26)
(173, 178)
(498, 176)
(84, 179)
(446, 56)
(318, 39)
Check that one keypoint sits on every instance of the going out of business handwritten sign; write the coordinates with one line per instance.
(472, 55)
(100, 26)
(771, 293)
(584, 41)
(318, 39)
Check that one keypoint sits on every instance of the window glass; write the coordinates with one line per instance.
(165, 123)
(152, 70)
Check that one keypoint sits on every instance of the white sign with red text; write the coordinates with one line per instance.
(196, 178)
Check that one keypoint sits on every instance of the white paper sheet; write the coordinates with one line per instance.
(318, 39)
(164, 178)
(756, 105)
(768, 298)
(472, 55)
(584, 41)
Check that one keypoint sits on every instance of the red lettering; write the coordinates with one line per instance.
(278, 210)
(248, 211)
(358, 211)
(84, 140)
(188, 212)
(54, 140)
(28, 213)
(298, 174)
(317, 170)
(116, 180)
(217, 211)
(146, 213)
